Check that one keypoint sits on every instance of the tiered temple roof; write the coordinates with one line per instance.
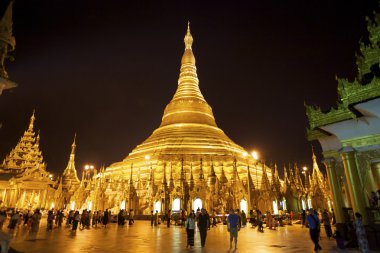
(26, 154)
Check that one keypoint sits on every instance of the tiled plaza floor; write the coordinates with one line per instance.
(141, 237)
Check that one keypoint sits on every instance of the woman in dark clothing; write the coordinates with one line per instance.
(105, 218)
(303, 215)
(76, 220)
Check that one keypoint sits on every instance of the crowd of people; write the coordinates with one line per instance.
(199, 219)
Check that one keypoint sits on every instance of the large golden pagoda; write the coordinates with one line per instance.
(187, 146)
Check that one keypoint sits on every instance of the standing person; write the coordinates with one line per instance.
(233, 227)
(303, 216)
(190, 229)
(269, 220)
(95, 218)
(314, 228)
(326, 223)
(50, 218)
(76, 221)
(131, 214)
(105, 218)
(60, 218)
(260, 226)
(156, 218)
(35, 223)
(168, 218)
(243, 218)
(360, 234)
(203, 224)
(151, 218)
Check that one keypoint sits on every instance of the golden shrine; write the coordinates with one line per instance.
(188, 162)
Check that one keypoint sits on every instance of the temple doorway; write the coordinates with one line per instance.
(176, 206)
(157, 207)
(197, 204)
(244, 205)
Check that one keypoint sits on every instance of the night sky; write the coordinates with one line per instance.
(106, 70)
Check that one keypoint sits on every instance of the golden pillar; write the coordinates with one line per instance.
(375, 171)
(335, 188)
(354, 185)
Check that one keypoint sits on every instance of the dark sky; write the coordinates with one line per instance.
(106, 70)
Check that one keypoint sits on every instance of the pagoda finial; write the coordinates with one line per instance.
(31, 124)
(312, 150)
(188, 38)
(73, 145)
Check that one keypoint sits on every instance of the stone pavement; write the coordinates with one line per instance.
(141, 237)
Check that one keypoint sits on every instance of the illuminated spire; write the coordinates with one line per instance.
(188, 104)
(70, 175)
(31, 123)
(188, 38)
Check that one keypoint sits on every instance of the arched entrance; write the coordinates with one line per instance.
(157, 206)
(176, 206)
(275, 207)
(197, 204)
(122, 205)
(244, 205)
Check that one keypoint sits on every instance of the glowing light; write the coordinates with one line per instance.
(255, 155)
(244, 205)
(90, 205)
(157, 206)
(197, 204)
(176, 204)
(122, 205)
(147, 157)
(52, 205)
(304, 168)
(303, 204)
(245, 154)
(275, 208)
(73, 205)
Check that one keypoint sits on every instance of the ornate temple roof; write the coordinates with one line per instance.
(188, 125)
(26, 154)
(364, 88)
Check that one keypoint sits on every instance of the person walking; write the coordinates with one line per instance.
(151, 218)
(190, 229)
(35, 224)
(243, 218)
(105, 218)
(233, 227)
(75, 221)
(168, 218)
(314, 228)
(50, 218)
(203, 224)
(327, 223)
(303, 216)
(360, 234)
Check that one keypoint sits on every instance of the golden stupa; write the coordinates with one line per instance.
(188, 145)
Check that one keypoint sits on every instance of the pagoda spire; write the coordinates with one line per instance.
(70, 176)
(31, 122)
(188, 104)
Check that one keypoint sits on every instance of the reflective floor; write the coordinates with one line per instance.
(141, 237)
